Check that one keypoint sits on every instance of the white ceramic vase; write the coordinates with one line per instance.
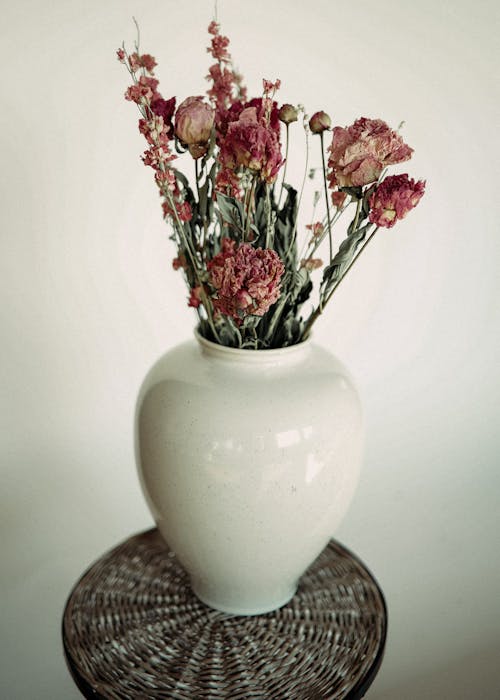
(248, 460)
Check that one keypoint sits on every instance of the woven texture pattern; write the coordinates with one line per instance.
(132, 628)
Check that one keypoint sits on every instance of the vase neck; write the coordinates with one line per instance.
(283, 356)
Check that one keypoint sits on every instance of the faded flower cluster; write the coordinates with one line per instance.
(235, 215)
(393, 199)
(246, 279)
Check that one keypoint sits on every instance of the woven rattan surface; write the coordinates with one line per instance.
(133, 629)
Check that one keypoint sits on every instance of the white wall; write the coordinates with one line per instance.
(90, 301)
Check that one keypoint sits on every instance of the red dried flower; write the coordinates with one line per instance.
(360, 152)
(252, 144)
(246, 279)
(394, 198)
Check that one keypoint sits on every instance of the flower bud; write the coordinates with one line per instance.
(319, 122)
(288, 114)
(193, 121)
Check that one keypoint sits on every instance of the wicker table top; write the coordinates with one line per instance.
(133, 629)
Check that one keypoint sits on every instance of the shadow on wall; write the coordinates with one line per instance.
(473, 677)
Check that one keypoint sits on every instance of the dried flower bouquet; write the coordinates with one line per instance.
(235, 224)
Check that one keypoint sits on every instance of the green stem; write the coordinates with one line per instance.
(249, 207)
(286, 163)
(306, 165)
(356, 217)
(326, 198)
(319, 310)
(269, 229)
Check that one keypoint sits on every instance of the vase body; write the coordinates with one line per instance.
(248, 461)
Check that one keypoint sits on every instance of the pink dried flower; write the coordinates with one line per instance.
(319, 122)
(218, 48)
(148, 62)
(246, 279)
(338, 198)
(134, 62)
(121, 55)
(157, 156)
(227, 84)
(193, 121)
(155, 132)
(269, 86)
(266, 111)
(360, 152)
(144, 91)
(195, 297)
(145, 61)
(222, 91)
(252, 144)
(213, 27)
(179, 262)
(317, 229)
(165, 109)
(166, 179)
(182, 210)
(229, 183)
(394, 198)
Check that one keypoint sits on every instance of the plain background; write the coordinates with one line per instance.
(90, 301)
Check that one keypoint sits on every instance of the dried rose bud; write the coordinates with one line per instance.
(193, 121)
(288, 114)
(319, 122)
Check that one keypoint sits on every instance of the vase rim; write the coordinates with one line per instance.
(246, 354)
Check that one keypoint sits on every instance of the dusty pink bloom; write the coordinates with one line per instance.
(227, 84)
(222, 92)
(182, 211)
(269, 86)
(179, 262)
(360, 152)
(229, 183)
(316, 229)
(145, 61)
(157, 156)
(338, 198)
(121, 55)
(393, 199)
(193, 121)
(166, 180)
(165, 109)
(288, 114)
(252, 144)
(134, 62)
(155, 131)
(246, 279)
(319, 122)
(218, 48)
(311, 264)
(195, 297)
(148, 62)
(219, 44)
(144, 91)
(213, 27)
(266, 110)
